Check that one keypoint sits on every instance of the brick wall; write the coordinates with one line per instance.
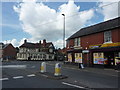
(116, 35)
(9, 51)
(92, 39)
(97, 38)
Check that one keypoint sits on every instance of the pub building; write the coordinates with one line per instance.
(96, 45)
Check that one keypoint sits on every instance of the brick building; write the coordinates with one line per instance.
(7, 51)
(36, 51)
(96, 45)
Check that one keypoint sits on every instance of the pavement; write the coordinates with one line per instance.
(105, 71)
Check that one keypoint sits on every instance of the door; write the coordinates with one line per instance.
(110, 58)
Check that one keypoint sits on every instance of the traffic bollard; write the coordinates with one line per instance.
(43, 67)
(57, 69)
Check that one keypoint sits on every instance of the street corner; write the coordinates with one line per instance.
(52, 76)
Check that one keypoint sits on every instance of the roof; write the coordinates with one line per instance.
(104, 26)
(29, 45)
(35, 45)
(5, 45)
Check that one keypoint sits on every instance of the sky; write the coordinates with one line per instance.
(37, 20)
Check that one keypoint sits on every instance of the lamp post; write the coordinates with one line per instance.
(63, 35)
(63, 31)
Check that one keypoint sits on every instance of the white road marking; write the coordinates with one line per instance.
(13, 66)
(18, 77)
(72, 85)
(31, 75)
(4, 79)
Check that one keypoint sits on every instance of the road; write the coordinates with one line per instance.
(25, 74)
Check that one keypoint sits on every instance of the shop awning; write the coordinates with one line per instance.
(105, 49)
(74, 50)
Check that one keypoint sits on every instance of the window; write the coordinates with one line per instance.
(50, 57)
(40, 55)
(44, 56)
(68, 43)
(107, 36)
(77, 42)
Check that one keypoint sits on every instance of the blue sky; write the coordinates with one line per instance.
(12, 25)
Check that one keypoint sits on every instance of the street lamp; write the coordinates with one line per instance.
(63, 35)
(63, 31)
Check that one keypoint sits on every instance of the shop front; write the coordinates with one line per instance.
(74, 56)
(108, 57)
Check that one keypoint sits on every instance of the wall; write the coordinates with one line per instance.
(115, 35)
(92, 39)
(97, 38)
(71, 43)
(9, 51)
(0, 53)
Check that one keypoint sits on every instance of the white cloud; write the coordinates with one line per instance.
(43, 22)
(14, 42)
(109, 9)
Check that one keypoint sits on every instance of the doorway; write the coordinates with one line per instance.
(110, 59)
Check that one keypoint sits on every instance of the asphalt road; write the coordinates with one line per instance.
(25, 74)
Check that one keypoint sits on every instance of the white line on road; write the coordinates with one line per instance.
(31, 75)
(72, 85)
(4, 79)
(18, 77)
(13, 66)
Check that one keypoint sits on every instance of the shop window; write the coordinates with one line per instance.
(78, 57)
(77, 42)
(117, 58)
(70, 57)
(107, 36)
(98, 58)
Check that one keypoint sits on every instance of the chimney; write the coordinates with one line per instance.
(25, 41)
(44, 42)
(40, 42)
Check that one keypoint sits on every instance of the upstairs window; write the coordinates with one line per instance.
(68, 43)
(107, 36)
(77, 42)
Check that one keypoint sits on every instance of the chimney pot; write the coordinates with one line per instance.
(44, 42)
(25, 41)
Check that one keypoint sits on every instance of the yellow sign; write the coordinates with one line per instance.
(78, 57)
(110, 44)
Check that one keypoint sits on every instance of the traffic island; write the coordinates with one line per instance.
(52, 76)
